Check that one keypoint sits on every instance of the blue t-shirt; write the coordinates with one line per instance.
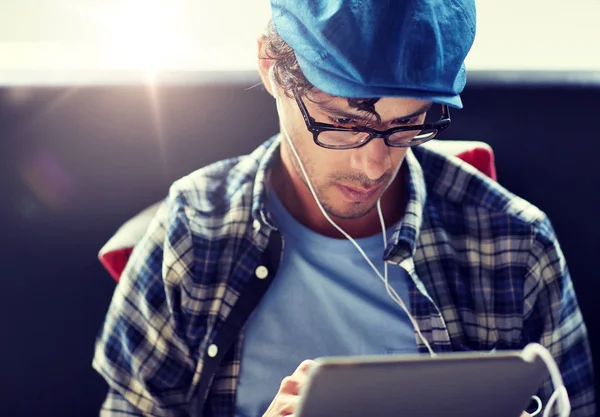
(325, 301)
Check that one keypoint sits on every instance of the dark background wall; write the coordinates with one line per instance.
(76, 162)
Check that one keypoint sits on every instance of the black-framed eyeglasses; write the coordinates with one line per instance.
(333, 136)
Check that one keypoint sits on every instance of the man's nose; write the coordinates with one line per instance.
(373, 159)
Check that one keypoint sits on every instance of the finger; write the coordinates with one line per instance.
(290, 385)
(286, 404)
(301, 373)
(304, 367)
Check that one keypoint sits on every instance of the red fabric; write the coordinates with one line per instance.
(115, 259)
(482, 159)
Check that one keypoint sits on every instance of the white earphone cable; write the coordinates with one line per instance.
(560, 391)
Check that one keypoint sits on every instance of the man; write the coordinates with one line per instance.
(255, 265)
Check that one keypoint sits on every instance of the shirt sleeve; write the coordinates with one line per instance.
(552, 318)
(143, 349)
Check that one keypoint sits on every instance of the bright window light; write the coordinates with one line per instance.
(42, 40)
(145, 34)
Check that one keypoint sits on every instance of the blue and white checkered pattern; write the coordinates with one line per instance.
(487, 273)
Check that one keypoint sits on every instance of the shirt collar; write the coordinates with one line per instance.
(265, 155)
(403, 242)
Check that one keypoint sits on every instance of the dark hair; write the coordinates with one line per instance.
(288, 74)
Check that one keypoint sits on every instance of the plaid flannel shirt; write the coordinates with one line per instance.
(487, 273)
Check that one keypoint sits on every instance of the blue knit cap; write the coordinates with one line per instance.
(380, 48)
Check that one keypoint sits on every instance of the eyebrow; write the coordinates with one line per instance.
(358, 115)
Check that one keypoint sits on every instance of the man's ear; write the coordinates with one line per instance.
(264, 63)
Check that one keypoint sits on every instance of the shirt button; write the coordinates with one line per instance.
(261, 272)
(213, 350)
(256, 225)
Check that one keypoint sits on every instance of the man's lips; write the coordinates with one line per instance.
(359, 194)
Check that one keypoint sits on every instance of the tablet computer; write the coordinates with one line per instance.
(462, 384)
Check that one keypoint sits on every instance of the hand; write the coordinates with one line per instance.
(525, 414)
(286, 400)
